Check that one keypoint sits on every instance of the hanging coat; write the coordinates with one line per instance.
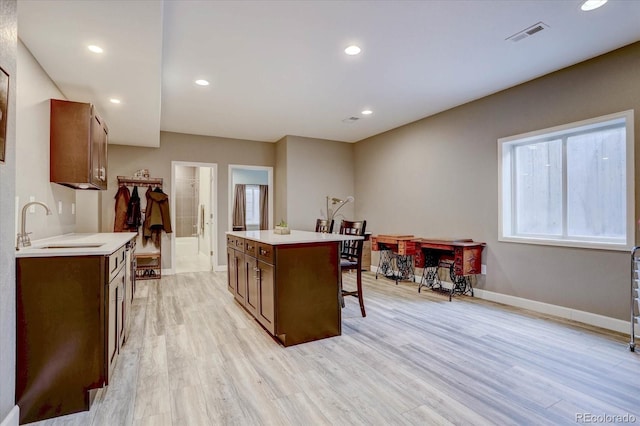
(122, 202)
(156, 218)
(134, 218)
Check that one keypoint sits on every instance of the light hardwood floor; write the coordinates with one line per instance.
(195, 357)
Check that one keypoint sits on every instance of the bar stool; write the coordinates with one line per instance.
(323, 225)
(351, 258)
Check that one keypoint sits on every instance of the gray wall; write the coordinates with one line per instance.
(125, 160)
(438, 177)
(8, 60)
(280, 182)
(316, 168)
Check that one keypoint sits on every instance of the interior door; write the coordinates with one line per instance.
(206, 194)
(210, 222)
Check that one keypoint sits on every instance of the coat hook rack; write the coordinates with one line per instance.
(131, 181)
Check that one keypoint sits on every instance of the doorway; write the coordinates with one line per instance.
(251, 177)
(194, 207)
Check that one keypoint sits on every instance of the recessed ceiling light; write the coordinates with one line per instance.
(202, 82)
(592, 4)
(367, 112)
(95, 49)
(114, 101)
(352, 50)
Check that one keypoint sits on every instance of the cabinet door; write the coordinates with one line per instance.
(232, 271)
(112, 337)
(252, 273)
(122, 311)
(266, 296)
(129, 275)
(98, 152)
(241, 282)
(116, 318)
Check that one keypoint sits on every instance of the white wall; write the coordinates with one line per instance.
(34, 89)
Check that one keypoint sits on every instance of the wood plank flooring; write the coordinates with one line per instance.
(195, 357)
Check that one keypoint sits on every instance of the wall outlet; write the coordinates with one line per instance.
(59, 207)
(483, 269)
(73, 208)
(32, 209)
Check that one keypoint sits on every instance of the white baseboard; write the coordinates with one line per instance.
(559, 311)
(596, 320)
(221, 268)
(13, 418)
(167, 271)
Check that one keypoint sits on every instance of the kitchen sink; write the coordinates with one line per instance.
(71, 245)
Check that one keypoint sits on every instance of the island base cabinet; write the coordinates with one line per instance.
(306, 292)
(292, 290)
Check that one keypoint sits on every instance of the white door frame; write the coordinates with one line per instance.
(269, 171)
(214, 209)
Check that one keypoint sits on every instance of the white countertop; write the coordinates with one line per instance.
(98, 244)
(295, 237)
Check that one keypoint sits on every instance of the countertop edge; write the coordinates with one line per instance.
(109, 243)
(295, 237)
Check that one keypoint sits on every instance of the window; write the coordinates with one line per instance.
(571, 185)
(253, 206)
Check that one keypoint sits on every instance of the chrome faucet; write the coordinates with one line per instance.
(23, 236)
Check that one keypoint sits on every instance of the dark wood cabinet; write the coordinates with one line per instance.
(252, 274)
(241, 281)
(292, 290)
(232, 271)
(71, 317)
(266, 297)
(78, 145)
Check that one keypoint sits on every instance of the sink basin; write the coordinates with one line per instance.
(71, 245)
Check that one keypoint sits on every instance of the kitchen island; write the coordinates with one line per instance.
(73, 298)
(289, 283)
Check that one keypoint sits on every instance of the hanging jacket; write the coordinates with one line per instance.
(134, 218)
(156, 218)
(122, 202)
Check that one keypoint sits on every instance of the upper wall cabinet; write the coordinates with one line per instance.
(78, 146)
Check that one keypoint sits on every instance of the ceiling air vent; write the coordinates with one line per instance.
(351, 119)
(534, 29)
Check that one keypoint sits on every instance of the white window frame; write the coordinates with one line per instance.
(506, 212)
(255, 189)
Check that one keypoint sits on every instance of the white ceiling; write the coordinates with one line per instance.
(278, 68)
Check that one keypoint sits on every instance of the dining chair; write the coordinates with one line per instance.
(351, 259)
(323, 225)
